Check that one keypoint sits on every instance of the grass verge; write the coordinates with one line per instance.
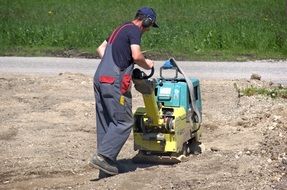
(189, 29)
(271, 92)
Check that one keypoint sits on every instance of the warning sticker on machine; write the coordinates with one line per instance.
(165, 91)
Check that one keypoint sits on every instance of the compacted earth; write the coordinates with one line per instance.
(48, 135)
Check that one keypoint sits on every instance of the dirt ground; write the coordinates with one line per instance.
(47, 137)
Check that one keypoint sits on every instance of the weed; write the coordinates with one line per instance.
(275, 92)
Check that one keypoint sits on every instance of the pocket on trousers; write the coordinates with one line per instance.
(121, 116)
(125, 83)
(107, 87)
(107, 79)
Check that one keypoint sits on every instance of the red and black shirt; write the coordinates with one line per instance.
(121, 39)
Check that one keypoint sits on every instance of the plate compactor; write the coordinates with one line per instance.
(167, 129)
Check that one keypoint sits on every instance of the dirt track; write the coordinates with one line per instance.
(47, 136)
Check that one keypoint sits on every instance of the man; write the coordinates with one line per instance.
(112, 82)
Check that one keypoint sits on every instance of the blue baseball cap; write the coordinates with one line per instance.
(150, 13)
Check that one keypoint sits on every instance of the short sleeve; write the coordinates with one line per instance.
(134, 35)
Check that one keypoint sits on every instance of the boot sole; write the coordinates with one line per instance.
(101, 168)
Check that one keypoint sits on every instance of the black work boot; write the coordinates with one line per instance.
(103, 174)
(105, 164)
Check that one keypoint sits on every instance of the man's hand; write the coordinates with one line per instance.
(149, 62)
(101, 49)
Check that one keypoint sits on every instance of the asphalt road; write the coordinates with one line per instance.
(275, 71)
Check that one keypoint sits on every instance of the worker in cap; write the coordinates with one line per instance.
(112, 87)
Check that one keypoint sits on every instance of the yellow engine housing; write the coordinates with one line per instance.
(162, 138)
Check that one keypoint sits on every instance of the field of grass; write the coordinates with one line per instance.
(189, 29)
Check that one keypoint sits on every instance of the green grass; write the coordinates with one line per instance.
(271, 92)
(189, 29)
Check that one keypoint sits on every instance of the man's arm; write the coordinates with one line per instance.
(101, 49)
(139, 58)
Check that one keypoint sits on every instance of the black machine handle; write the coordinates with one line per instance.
(150, 75)
(138, 74)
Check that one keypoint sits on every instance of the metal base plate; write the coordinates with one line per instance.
(142, 158)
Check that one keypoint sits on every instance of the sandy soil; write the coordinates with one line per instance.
(47, 136)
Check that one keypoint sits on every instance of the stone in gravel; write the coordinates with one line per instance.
(272, 127)
(240, 122)
(248, 152)
(274, 156)
(214, 149)
(255, 76)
